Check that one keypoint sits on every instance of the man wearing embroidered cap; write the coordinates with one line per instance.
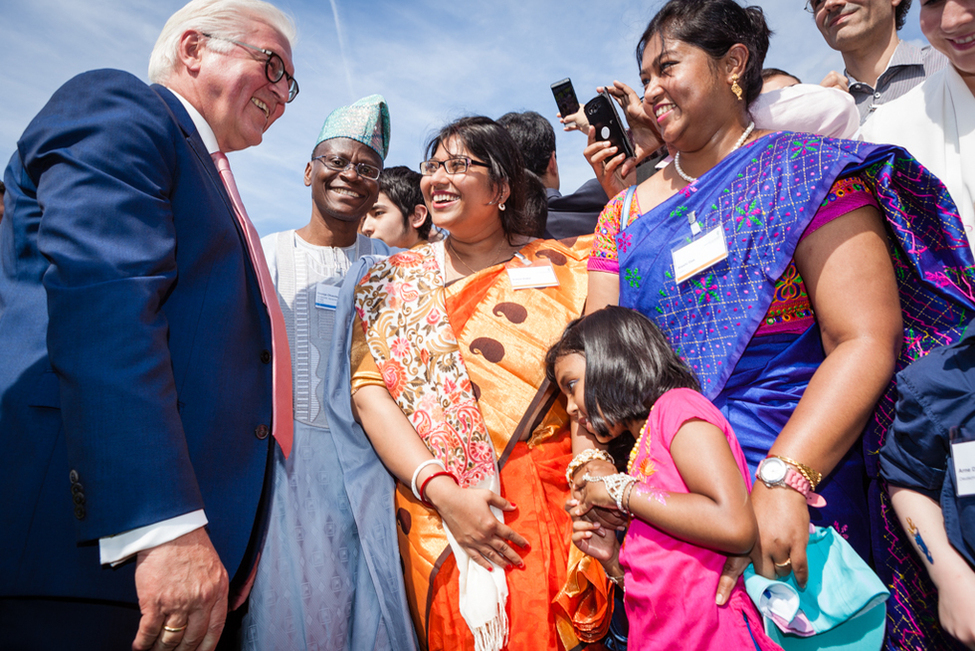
(329, 570)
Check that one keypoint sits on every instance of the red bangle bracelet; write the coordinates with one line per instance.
(423, 486)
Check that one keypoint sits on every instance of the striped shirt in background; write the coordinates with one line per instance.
(908, 67)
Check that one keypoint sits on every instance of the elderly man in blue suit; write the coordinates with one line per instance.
(140, 358)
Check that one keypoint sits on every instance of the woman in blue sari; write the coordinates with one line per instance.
(794, 274)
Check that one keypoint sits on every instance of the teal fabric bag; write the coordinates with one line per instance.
(841, 608)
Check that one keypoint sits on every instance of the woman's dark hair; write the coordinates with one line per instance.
(714, 26)
(401, 185)
(629, 365)
(489, 142)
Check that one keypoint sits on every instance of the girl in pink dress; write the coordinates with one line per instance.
(685, 488)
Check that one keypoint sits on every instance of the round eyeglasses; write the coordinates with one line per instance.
(454, 165)
(273, 66)
(340, 164)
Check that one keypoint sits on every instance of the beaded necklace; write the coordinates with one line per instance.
(644, 434)
(741, 141)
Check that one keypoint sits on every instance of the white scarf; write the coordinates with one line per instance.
(410, 337)
(483, 593)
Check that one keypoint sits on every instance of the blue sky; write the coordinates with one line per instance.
(434, 61)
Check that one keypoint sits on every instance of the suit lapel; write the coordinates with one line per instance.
(195, 142)
(206, 164)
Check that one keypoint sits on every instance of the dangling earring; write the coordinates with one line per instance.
(501, 207)
(735, 88)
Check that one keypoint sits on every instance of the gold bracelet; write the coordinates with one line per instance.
(812, 476)
(584, 457)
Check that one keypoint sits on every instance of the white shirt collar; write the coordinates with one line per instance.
(206, 133)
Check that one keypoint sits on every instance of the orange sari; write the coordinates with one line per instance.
(503, 335)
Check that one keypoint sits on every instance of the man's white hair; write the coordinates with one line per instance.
(226, 18)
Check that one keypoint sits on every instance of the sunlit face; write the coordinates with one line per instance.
(846, 24)
(237, 100)
(680, 91)
(344, 195)
(465, 204)
(949, 26)
(570, 375)
(386, 222)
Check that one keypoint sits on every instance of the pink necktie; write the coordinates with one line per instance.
(283, 424)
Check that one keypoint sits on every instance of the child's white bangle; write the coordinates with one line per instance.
(584, 457)
(428, 462)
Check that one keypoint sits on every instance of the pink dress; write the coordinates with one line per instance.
(670, 583)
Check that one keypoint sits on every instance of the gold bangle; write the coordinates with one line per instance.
(812, 476)
(584, 457)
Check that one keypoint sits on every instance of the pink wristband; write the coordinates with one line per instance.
(797, 482)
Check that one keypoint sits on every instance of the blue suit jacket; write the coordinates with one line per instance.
(135, 382)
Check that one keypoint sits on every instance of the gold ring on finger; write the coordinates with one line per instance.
(175, 629)
(784, 564)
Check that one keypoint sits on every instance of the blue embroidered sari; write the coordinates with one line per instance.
(763, 196)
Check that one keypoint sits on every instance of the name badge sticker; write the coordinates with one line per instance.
(963, 457)
(691, 259)
(536, 275)
(326, 296)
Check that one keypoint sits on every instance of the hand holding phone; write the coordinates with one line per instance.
(565, 98)
(605, 119)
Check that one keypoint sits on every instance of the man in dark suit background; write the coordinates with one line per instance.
(569, 215)
(136, 366)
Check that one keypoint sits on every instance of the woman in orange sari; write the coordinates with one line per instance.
(447, 382)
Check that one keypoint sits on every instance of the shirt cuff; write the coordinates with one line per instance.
(114, 550)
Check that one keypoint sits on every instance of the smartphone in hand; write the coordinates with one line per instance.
(565, 97)
(605, 119)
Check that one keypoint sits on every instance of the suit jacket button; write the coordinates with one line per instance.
(73, 476)
(79, 512)
(77, 488)
(79, 498)
(262, 431)
(266, 356)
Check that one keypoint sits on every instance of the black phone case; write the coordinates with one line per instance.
(601, 113)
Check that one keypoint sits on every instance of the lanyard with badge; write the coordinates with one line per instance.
(963, 459)
(707, 248)
(525, 274)
(327, 293)
(327, 296)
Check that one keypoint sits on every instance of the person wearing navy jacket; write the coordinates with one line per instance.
(136, 354)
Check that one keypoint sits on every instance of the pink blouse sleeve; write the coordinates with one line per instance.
(846, 195)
